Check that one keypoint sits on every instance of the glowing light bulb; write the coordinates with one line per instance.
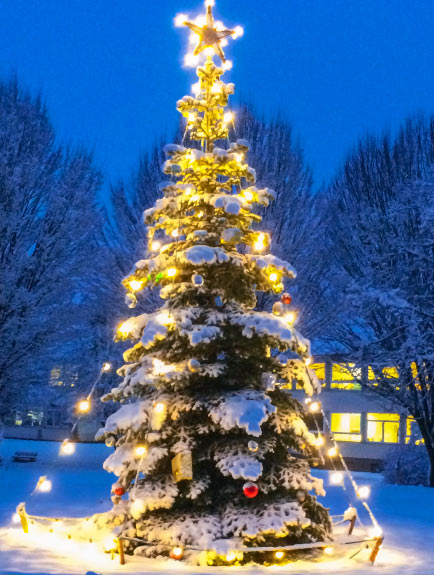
(248, 195)
(83, 406)
(140, 451)
(175, 233)
(364, 492)
(180, 20)
(171, 272)
(135, 285)
(124, 328)
(337, 478)
(314, 406)
(329, 550)
(159, 407)
(231, 556)
(259, 245)
(307, 360)
(375, 531)
(239, 31)
(191, 117)
(190, 60)
(228, 117)
(273, 277)
(165, 318)
(67, 448)
(216, 88)
(319, 441)
(200, 214)
(177, 553)
(106, 366)
(155, 246)
(109, 544)
(44, 485)
(227, 65)
(332, 452)
(279, 555)
(290, 317)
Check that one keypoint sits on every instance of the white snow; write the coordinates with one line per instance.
(81, 487)
(246, 410)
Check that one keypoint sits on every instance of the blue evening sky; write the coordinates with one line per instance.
(111, 71)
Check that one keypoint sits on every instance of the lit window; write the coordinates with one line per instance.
(319, 369)
(344, 376)
(390, 372)
(383, 427)
(412, 432)
(346, 426)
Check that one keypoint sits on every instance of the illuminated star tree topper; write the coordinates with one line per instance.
(208, 35)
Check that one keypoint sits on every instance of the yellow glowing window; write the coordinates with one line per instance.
(345, 372)
(371, 374)
(414, 370)
(383, 427)
(390, 372)
(346, 426)
(411, 429)
(345, 385)
(319, 369)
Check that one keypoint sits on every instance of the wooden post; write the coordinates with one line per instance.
(352, 523)
(121, 551)
(375, 549)
(21, 510)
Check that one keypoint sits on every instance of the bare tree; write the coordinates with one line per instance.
(47, 241)
(383, 203)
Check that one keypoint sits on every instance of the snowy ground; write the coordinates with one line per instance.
(81, 488)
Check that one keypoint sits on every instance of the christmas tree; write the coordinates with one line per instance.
(211, 451)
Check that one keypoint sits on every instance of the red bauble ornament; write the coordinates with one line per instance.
(286, 298)
(119, 491)
(250, 489)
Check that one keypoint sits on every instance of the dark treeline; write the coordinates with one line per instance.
(363, 249)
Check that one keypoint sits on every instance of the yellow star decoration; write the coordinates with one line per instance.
(209, 36)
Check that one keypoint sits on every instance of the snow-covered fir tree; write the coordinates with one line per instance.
(211, 452)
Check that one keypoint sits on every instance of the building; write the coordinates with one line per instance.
(366, 425)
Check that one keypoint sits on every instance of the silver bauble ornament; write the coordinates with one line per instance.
(110, 441)
(277, 308)
(131, 300)
(193, 365)
(253, 446)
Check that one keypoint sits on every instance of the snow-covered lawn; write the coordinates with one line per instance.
(81, 488)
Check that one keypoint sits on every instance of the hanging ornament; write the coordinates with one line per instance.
(197, 280)
(253, 446)
(119, 490)
(277, 308)
(131, 300)
(110, 441)
(286, 298)
(301, 495)
(193, 365)
(182, 466)
(269, 381)
(250, 489)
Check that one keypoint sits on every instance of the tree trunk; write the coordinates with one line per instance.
(430, 451)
